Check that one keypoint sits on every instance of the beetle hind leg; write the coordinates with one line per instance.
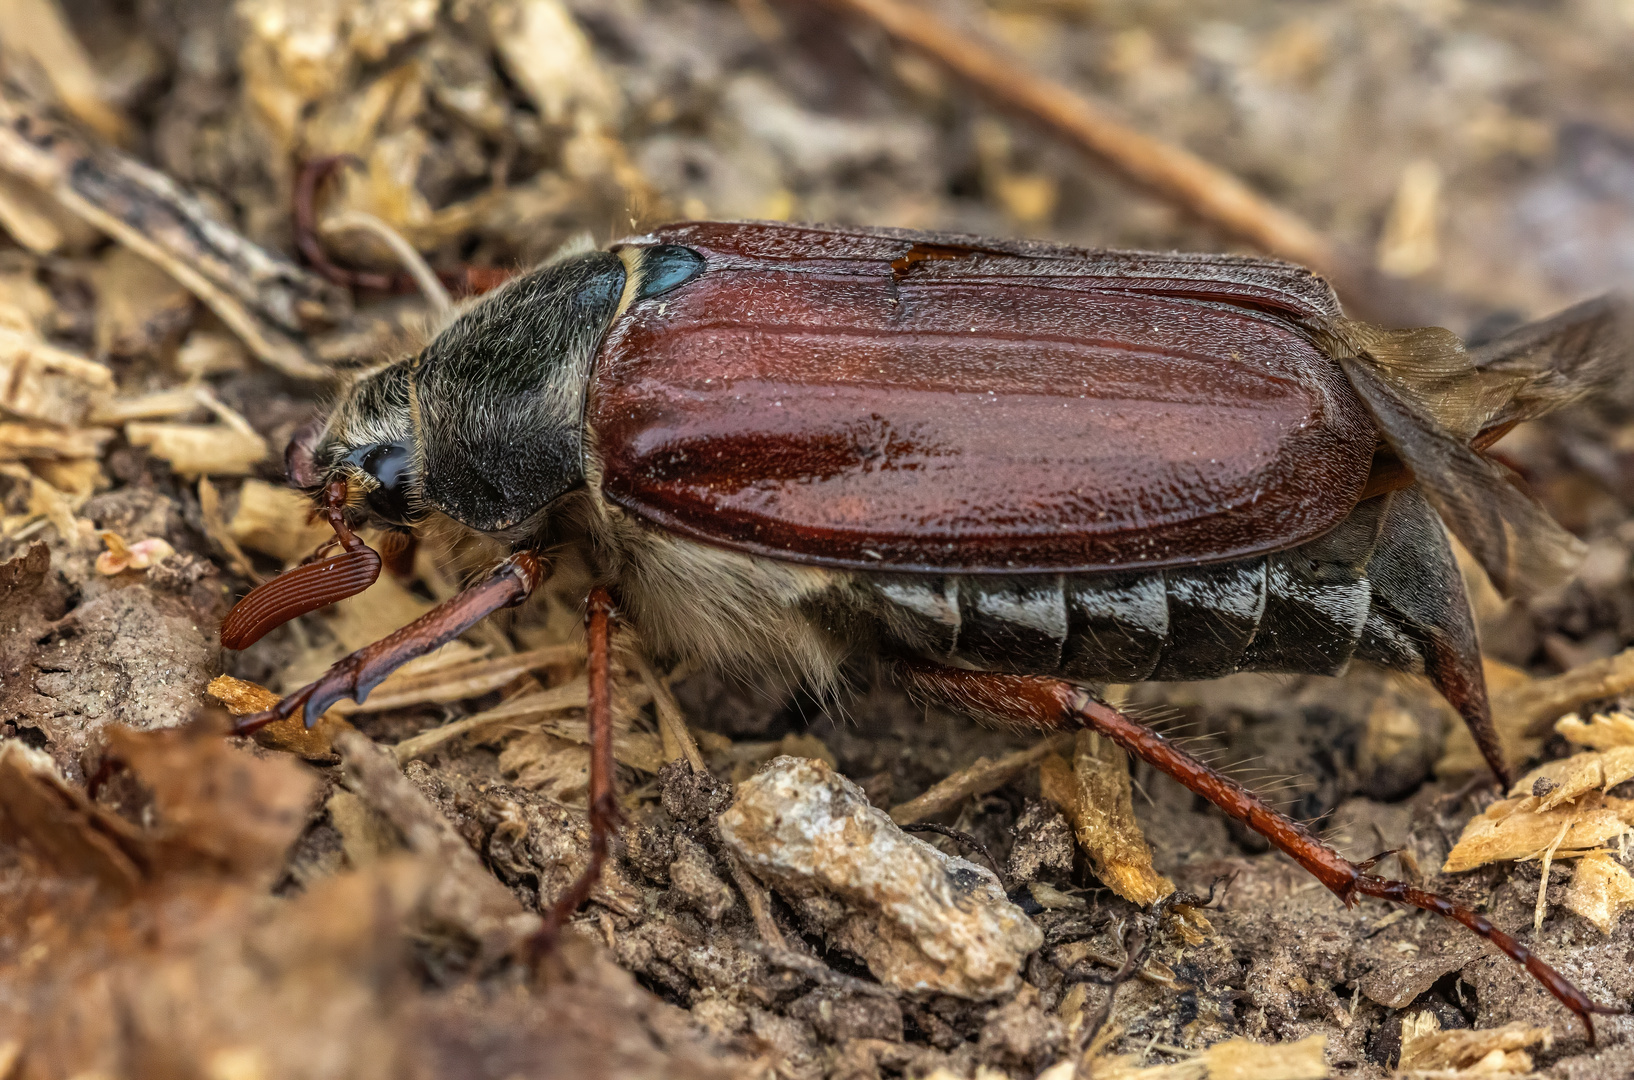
(1053, 705)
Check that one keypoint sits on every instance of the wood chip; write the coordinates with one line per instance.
(39, 381)
(1601, 732)
(241, 698)
(1241, 1059)
(1534, 706)
(141, 310)
(39, 30)
(672, 725)
(547, 53)
(276, 521)
(1601, 890)
(216, 530)
(1425, 1048)
(1513, 829)
(159, 405)
(39, 224)
(1095, 794)
(1233, 1059)
(20, 441)
(196, 449)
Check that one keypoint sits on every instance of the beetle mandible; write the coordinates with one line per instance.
(1016, 471)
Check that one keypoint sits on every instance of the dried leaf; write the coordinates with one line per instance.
(215, 805)
(216, 810)
(1095, 794)
(1601, 890)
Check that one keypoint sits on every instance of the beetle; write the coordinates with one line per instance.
(1016, 470)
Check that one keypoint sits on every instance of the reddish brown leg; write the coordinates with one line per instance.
(604, 814)
(1051, 704)
(354, 676)
(311, 177)
(468, 281)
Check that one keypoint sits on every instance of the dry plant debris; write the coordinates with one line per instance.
(1428, 1052)
(1096, 795)
(1559, 811)
(161, 338)
(1233, 1059)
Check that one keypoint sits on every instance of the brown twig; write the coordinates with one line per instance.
(1169, 171)
(979, 778)
(962, 838)
(261, 296)
(672, 725)
(760, 908)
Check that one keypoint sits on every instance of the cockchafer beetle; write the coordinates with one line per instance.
(1015, 470)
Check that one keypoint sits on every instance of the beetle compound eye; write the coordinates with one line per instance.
(388, 464)
(666, 267)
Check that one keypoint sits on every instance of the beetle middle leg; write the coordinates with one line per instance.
(603, 804)
(1052, 704)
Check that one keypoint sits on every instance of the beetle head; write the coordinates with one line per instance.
(368, 444)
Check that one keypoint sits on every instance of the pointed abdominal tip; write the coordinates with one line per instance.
(296, 592)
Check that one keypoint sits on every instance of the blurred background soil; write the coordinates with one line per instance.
(305, 909)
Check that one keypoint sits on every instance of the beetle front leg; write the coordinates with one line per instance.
(354, 676)
(1052, 705)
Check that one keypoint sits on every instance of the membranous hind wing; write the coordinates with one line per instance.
(917, 402)
(1432, 399)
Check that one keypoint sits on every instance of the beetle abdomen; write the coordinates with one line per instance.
(1263, 614)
